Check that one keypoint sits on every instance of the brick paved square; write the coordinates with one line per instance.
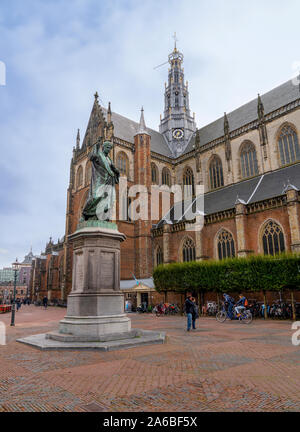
(218, 367)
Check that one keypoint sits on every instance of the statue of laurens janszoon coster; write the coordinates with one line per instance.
(102, 191)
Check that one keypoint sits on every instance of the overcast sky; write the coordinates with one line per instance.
(59, 52)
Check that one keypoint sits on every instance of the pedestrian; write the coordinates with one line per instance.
(189, 310)
(195, 313)
(45, 302)
(18, 303)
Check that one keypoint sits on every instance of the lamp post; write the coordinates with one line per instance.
(13, 309)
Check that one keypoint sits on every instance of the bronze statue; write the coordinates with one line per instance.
(102, 192)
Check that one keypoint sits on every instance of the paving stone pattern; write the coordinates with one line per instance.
(218, 367)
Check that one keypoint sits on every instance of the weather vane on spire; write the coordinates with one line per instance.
(175, 40)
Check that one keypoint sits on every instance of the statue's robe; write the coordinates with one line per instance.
(102, 192)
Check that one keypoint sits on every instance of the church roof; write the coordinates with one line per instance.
(28, 258)
(272, 100)
(125, 129)
(256, 189)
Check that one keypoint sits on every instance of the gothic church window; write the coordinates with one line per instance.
(288, 145)
(272, 239)
(166, 177)
(159, 256)
(154, 173)
(123, 163)
(88, 173)
(188, 182)
(188, 250)
(249, 165)
(79, 180)
(125, 211)
(216, 173)
(225, 245)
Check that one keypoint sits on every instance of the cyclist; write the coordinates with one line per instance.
(241, 304)
(230, 302)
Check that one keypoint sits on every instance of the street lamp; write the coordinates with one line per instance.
(15, 267)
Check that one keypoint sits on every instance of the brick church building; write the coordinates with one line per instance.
(248, 163)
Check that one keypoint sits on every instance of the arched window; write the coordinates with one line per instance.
(288, 145)
(166, 177)
(188, 182)
(88, 173)
(272, 239)
(159, 256)
(123, 163)
(79, 180)
(188, 250)
(125, 211)
(216, 173)
(154, 173)
(249, 165)
(225, 245)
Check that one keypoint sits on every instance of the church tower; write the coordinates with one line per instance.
(177, 124)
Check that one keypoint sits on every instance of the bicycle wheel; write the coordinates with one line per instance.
(221, 316)
(247, 317)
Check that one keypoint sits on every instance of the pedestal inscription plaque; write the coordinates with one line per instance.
(107, 269)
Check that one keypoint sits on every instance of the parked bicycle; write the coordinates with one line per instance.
(165, 309)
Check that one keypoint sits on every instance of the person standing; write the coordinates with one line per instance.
(195, 313)
(190, 311)
(45, 302)
(18, 303)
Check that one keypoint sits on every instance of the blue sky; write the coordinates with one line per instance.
(59, 52)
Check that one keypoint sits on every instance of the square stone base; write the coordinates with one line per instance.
(94, 326)
(138, 338)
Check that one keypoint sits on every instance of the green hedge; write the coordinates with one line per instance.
(255, 273)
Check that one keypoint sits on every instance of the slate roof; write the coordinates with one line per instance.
(255, 189)
(282, 95)
(272, 100)
(125, 129)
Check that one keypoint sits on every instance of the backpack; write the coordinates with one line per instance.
(246, 302)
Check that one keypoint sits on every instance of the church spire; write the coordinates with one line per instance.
(226, 125)
(260, 108)
(142, 125)
(177, 124)
(78, 140)
(109, 113)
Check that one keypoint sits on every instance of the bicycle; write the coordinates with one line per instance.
(245, 315)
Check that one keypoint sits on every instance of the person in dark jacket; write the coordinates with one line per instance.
(195, 313)
(18, 303)
(45, 302)
(230, 303)
(190, 313)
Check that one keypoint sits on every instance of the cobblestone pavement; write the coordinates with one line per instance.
(218, 367)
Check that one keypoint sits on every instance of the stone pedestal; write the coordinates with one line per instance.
(95, 316)
(95, 304)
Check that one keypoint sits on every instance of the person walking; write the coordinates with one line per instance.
(45, 302)
(189, 310)
(195, 313)
(18, 303)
